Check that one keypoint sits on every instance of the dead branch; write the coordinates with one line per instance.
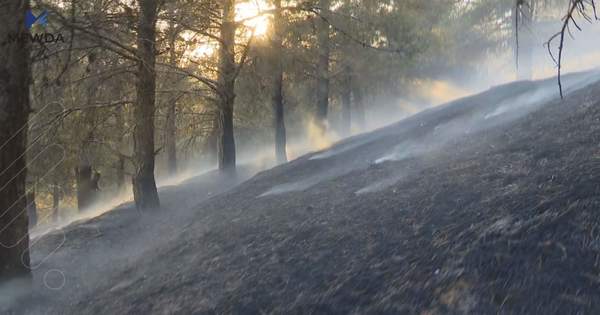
(575, 7)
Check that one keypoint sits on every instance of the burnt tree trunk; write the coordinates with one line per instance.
(14, 108)
(227, 69)
(346, 101)
(323, 66)
(277, 97)
(145, 193)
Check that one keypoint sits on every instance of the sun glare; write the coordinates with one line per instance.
(250, 9)
(250, 13)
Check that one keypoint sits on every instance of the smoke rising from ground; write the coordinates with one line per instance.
(581, 53)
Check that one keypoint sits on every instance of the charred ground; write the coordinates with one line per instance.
(485, 205)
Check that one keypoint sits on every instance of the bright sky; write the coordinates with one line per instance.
(250, 9)
(243, 10)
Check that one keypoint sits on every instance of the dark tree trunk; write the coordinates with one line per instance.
(346, 102)
(211, 146)
(323, 66)
(121, 172)
(85, 193)
(278, 114)
(32, 208)
(170, 126)
(14, 108)
(359, 106)
(226, 142)
(84, 175)
(55, 202)
(227, 69)
(145, 193)
(120, 163)
(170, 142)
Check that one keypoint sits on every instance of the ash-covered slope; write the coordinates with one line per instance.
(485, 205)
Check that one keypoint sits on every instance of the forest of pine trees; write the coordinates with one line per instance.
(139, 89)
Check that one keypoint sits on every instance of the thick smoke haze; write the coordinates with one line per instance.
(581, 53)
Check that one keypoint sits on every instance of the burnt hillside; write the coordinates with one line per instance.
(488, 204)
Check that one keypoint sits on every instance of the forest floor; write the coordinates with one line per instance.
(485, 205)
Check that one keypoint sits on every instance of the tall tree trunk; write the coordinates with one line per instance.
(211, 145)
(226, 142)
(55, 201)
(170, 126)
(359, 105)
(85, 193)
(346, 101)
(323, 66)
(120, 163)
(277, 97)
(83, 176)
(14, 108)
(170, 140)
(227, 69)
(31, 208)
(120, 172)
(145, 193)
(515, 21)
